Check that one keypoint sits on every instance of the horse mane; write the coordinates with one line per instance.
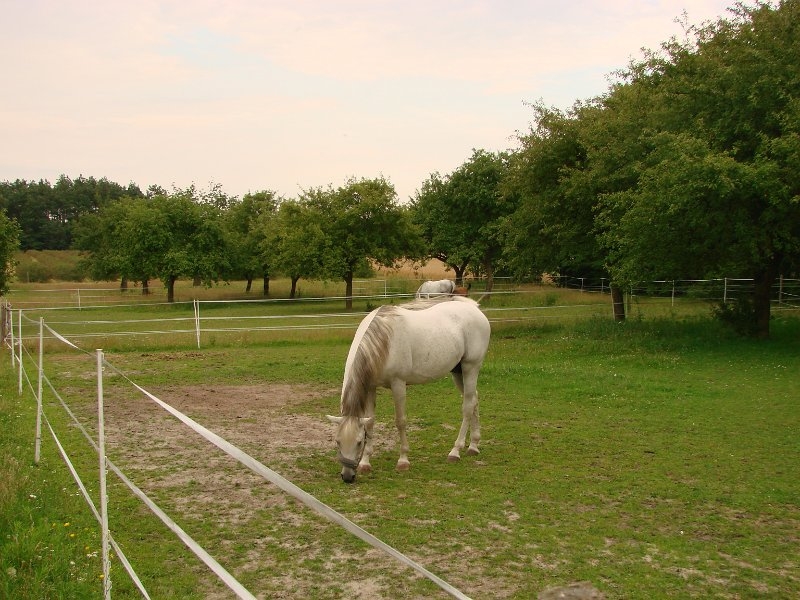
(369, 359)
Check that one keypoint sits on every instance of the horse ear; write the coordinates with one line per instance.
(333, 419)
(367, 421)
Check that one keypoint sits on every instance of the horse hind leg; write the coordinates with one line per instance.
(467, 385)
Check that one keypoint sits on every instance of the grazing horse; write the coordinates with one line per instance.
(431, 289)
(461, 291)
(409, 344)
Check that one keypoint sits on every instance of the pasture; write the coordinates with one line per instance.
(654, 458)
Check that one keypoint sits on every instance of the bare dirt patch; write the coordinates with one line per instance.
(255, 418)
(204, 489)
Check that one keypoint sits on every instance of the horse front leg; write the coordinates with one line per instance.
(399, 395)
(364, 465)
(470, 420)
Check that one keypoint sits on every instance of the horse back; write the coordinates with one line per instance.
(429, 343)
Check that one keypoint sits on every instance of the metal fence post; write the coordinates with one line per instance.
(38, 446)
(101, 450)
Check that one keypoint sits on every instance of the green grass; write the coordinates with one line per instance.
(49, 542)
(655, 458)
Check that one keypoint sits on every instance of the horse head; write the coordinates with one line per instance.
(351, 439)
(462, 291)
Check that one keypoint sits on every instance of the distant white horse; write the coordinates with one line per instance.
(409, 344)
(431, 289)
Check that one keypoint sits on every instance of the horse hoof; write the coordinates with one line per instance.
(453, 458)
(403, 465)
(365, 468)
(473, 452)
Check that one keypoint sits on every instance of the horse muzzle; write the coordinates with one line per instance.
(349, 468)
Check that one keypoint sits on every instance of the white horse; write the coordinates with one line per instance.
(408, 344)
(431, 289)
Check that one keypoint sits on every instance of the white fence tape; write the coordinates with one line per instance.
(298, 493)
(120, 554)
(218, 569)
(244, 458)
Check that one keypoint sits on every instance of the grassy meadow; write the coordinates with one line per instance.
(656, 458)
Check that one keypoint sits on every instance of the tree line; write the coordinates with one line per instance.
(687, 167)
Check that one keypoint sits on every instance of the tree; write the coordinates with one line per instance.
(362, 223)
(48, 214)
(479, 208)
(99, 236)
(164, 237)
(296, 242)
(245, 221)
(552, 229)
(717, 177)
(686, 168)
(444, 242)
(9, 244)
(461, 215)
(192, 238)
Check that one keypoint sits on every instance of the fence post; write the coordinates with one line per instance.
(19, 339)
(725, 291)
(101, 450)
(197, 320)
(38, 446)
(10, 317)
(4, 319)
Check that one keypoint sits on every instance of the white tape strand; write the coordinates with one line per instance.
(190, 543)
(60, 337)
(212, 564)
(120, 554)
(301, 495)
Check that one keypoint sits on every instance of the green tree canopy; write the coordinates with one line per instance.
(363, 223)
(48, 213)
(716, 192)
(244, 221)
(164, 237)
(296, 242)
(460, 215)
(686, 168)
(10, 233)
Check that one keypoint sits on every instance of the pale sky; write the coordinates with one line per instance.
(287, 95)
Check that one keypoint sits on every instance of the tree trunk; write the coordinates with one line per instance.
(489, 273)
(459, 276)
(171, 288)
(145, 287)
(123, 284)
(249, 285)
(459, 270)
(618, 302)
(293, 291)
(762, 295)
(197, 282)
(348, 291)
(266, 285)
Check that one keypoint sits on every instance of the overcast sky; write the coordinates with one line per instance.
(290, 95)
